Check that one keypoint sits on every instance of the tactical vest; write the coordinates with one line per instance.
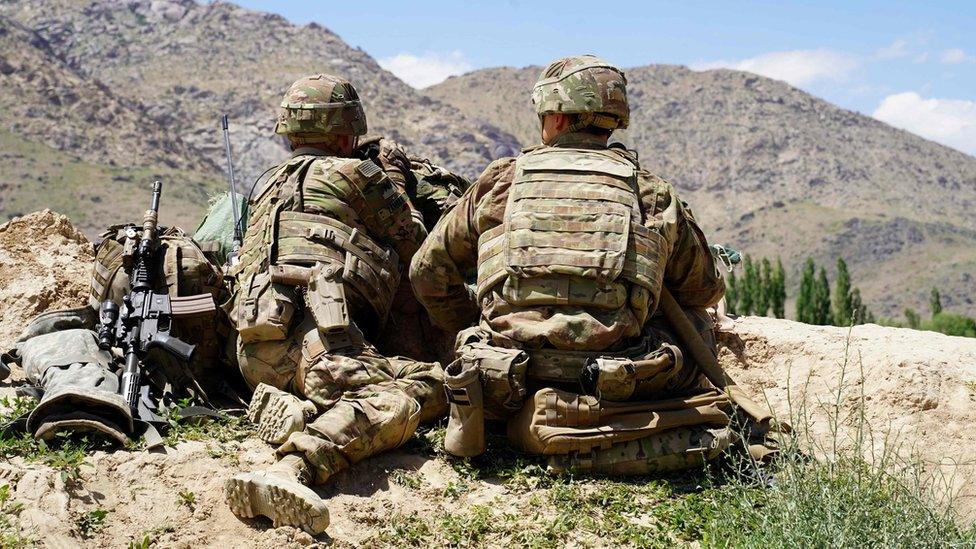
(284, 242)
(573, 235)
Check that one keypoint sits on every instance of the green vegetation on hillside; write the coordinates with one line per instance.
(34, 177)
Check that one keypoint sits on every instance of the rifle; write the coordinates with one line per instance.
(144, 320)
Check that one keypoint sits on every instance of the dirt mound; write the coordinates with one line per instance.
(45, 264)
(918, 389)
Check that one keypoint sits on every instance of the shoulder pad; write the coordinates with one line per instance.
(533, 148)
(361, 172)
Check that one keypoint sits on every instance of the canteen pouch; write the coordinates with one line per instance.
(502, 374)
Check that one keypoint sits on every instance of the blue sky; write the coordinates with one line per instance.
(911, 64)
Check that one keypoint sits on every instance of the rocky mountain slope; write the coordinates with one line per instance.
(914, 390)
(129, 86)
(186, 63)
(776, 171)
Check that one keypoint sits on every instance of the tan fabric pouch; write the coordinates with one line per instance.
(502, 374)
(560, 422)
(264, 310)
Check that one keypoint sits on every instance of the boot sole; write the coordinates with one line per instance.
(286, 502)
(259, 400)
(273, 415)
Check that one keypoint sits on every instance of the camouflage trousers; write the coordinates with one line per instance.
(366, 403)
(674, 420)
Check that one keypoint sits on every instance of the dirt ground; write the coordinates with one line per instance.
(918, 387)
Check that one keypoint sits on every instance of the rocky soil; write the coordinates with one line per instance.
(45, 263)
(917, 391)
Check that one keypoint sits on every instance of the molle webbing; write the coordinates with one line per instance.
(572, 233)
(306, 239)
(554, 365)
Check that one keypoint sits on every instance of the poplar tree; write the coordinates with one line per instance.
(764, 291)
(778, 294)
(935, 301)
(804, 301)
(731, 293)
(821, 299)
(747, 291)
(843, 308)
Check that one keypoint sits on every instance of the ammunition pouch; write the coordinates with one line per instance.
(620, 379)
(264, 309)
(502, 376)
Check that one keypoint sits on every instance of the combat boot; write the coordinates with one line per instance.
(465, 436)
(277, 413)
(280, 493)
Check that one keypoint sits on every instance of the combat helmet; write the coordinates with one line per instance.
(584, 84)
(320, 105)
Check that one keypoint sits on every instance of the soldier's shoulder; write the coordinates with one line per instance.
(357, 171)
(497, 168)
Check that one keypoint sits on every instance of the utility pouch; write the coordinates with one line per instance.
(502, 374)
(620, 379)
(264, 309)
(326, 299)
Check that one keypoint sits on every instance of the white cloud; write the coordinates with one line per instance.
(951, 122)
(921, 58)
(896, 50)
(426, 69)
(954, 56)
(796, 67)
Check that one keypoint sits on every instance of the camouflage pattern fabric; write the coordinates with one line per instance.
(320, 105)
(347, 213)
(570, 259)
(81, 392)
(440, 270)
(584, 84)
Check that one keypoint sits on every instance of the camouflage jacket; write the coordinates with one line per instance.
(293, 221)
(448, 260)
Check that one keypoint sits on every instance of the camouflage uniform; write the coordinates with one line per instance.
(570, 244)
(318, 273)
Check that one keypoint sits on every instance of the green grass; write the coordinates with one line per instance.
(91, 522)
(93, 195)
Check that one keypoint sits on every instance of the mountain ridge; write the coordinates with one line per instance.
(776, 171)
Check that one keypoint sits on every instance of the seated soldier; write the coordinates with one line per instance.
(572, 242)
(317, 275)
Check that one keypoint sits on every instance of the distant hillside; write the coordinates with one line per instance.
(147, 81)
(777, 171)
(70, 143)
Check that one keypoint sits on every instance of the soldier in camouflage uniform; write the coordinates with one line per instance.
(318, 272)
(572, 242)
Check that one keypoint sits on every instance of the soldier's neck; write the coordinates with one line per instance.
(580, 140)
(316, 150)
